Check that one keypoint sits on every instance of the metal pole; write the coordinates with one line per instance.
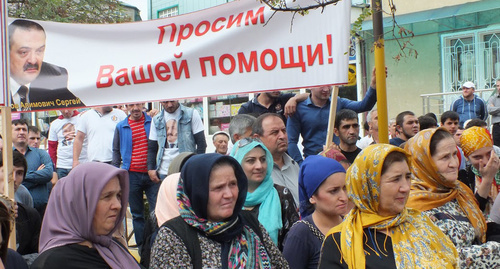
(378, 34)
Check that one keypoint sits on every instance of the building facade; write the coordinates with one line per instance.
(167, 8)
(456, 41)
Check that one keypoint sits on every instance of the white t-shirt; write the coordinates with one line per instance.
(63, 131)
(171, 120)
(99, 131)
(364, 142)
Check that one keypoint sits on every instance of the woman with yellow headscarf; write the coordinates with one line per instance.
(449, 203)
(482, 175)
(380, 231)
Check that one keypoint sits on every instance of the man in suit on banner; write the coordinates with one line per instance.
(35, 84)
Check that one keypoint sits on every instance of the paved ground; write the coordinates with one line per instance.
(131, 243)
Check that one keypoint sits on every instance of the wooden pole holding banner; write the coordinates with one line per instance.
(333, 113)
(8, 179)
(6, 120)
(378, 35)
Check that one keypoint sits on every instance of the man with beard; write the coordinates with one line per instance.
(469, 105)
(33, 81)
(174, 130)
(98, 126)
(347, 129)
(406, 127)
(130, 152)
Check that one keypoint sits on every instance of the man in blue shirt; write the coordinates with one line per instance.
(311, 118)
(40, 166)
(469, 106)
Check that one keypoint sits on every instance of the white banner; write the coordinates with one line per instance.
(238, 47)
(4, 50)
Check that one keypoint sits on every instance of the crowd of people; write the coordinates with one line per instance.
(429, 199)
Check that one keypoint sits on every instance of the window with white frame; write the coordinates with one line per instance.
(169, 12)
(471, 56)
(490, 66)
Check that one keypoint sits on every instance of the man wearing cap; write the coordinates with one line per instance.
(469, 106)
(220, 140)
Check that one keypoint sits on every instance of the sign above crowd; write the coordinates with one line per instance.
(238, 47)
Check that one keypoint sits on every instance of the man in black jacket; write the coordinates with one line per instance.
(35, 84)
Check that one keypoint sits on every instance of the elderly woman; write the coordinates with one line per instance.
(166, 205)
(323, 202)
(448, 202)
(482, 175)
(380, 231)
(272, 204)
(212, 231)
(85, 208)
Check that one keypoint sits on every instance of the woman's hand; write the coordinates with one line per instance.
(488, 173)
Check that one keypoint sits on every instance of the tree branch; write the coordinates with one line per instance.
(279, 5)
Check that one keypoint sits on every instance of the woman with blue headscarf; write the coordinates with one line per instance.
(272, 204)
(323, 202)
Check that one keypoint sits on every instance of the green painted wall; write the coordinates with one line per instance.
(408, 78)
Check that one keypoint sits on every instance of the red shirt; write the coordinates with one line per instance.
(138, 162)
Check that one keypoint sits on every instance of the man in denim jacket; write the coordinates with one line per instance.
(174, 130)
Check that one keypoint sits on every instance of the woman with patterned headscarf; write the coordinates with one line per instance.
(448, 202)
(212, 230)
(380, 231)
(482, 175)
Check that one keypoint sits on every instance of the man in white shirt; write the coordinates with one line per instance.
(98, 126)
(62, 134)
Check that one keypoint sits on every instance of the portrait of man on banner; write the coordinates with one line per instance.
(35, 84)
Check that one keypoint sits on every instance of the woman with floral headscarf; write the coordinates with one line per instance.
(212, 231)
(482, 175)
(449, 203)
(380, 231)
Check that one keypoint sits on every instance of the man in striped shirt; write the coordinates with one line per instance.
(130, 149)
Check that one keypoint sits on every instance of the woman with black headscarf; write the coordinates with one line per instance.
(212, 231)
